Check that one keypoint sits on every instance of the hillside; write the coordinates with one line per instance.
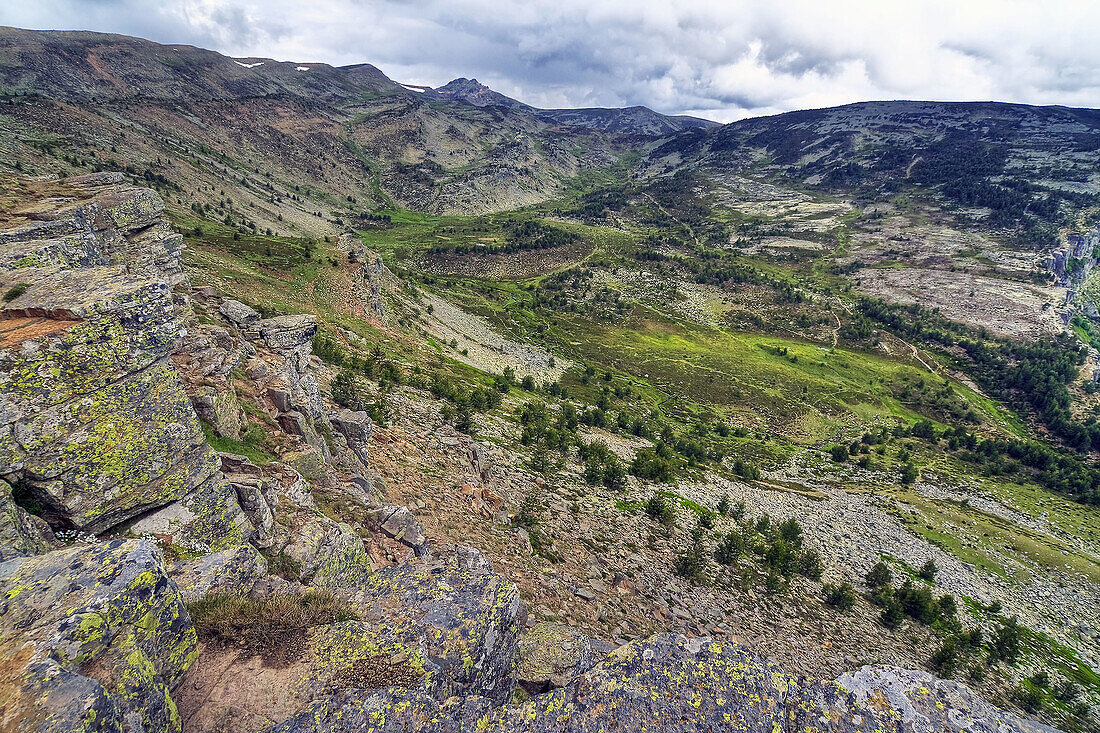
(297, 147)
(368, 407)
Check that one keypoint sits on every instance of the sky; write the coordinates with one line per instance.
(721, 60)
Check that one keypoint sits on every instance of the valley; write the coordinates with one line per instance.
(814, 385)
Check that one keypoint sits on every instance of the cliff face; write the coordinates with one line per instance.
(109, 365)
(96, 428)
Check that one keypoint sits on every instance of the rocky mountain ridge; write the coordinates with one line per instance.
(105, 381)
(636, 120)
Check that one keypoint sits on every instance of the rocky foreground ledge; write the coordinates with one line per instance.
(96, 638)
(104, 468)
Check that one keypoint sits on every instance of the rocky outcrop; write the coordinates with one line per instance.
(94, 637)
(461, 616)
(671, 683)
(96, 429)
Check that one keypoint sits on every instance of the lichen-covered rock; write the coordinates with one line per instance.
(458, 613)
(108, 455)
(221, 409)
(233, 570)
(671, 683)
(909, 701)
(95, 426)
(330, 554)
(94, 637)
(206, 519)
(665, 683)
(21, 533)
(552, 655)
(394, 710)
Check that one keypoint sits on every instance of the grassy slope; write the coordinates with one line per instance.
(806, 398)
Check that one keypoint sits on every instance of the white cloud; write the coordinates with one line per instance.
(726, 59)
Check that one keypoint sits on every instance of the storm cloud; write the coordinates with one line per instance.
(722, 60)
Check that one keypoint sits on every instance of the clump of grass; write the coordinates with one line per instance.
(15, 291)
(272, 627)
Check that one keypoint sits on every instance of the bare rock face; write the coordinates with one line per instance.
(95, 426)
(94, 638)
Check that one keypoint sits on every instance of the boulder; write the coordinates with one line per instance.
(237, 313)
(393, 710)
(286, 333)
(458, 613)
(234, 570)
(94, 638)
(250, 496)
(329, 554)
(108, 455)
(203, 520)
(399, 523)
(552, 655)
(356, 427)
(95, 425)
(671, 683)
(911, 701)
(221, 409)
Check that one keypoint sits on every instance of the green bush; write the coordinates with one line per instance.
(15, 291)
(880, 576)
(892, 614)
(810, 565)
(659, 510)
(841, 597)
(928, 570)
(692, 563)
(730, 548)
(945, 660)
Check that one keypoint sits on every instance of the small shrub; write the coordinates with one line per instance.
(809, 565)
(730, 549)
(15, 291)
(841, 597)
(880, 576)
(659, 510)
(692, 564)
(1029, 698)
(945, 660)
(1005, 644)
(928, 570)
(266, 625)
(892, 614)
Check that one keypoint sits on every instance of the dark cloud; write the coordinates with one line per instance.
(725, 59)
